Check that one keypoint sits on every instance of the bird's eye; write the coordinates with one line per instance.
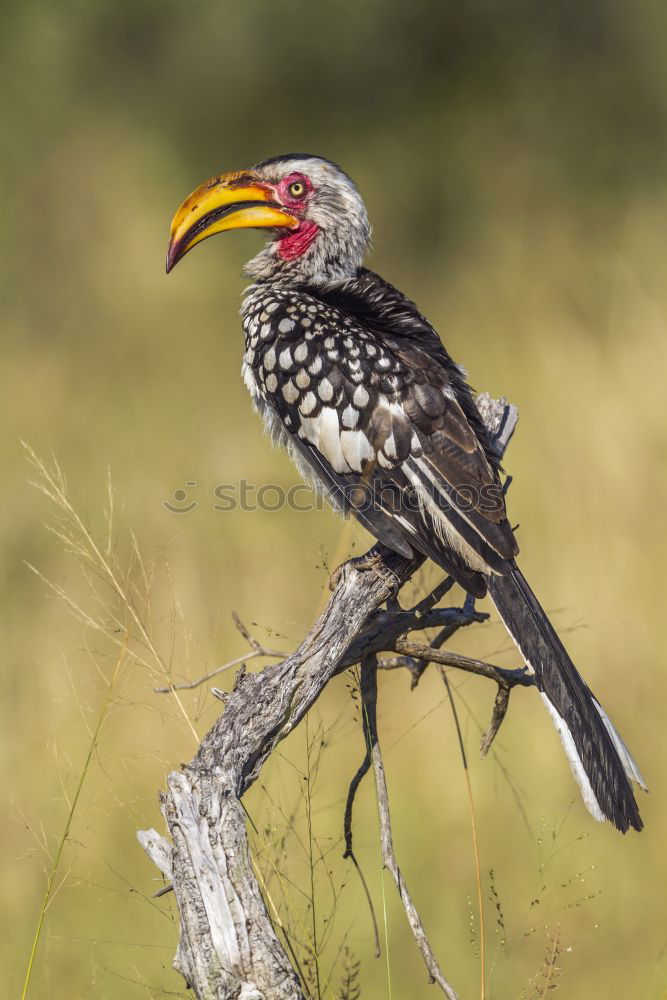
(297, 189)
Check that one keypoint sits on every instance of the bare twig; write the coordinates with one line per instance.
(505, 679)
(369, 701)
(448, 658)
(465, 616)
(257, 650)
(500, 706)
(473, 822)
(363, 770)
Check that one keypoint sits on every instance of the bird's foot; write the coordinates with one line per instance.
(370, 561)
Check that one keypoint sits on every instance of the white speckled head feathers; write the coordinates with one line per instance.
(338, 211)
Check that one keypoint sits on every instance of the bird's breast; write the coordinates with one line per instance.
(331, 382)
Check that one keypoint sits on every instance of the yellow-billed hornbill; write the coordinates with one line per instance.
(355, 383)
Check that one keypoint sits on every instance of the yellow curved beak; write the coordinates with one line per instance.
(232, 201)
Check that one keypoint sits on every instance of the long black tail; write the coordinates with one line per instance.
(600, 761)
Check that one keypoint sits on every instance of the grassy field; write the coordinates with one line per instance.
(520, 201)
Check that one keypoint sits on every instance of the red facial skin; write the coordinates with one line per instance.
(292, 246)
(296, 242)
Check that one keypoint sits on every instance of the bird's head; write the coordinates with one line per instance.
(316, 217)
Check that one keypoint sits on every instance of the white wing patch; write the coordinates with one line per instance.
(344, 450)
(329, 443)
(356, 449)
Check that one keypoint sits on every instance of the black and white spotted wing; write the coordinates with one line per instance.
(386, 424)
(359, 388)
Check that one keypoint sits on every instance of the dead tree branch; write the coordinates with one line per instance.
(228, 947)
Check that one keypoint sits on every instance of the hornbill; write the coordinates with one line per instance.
(355, 383)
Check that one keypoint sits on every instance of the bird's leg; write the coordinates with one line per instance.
(469, 605)
(373, 561)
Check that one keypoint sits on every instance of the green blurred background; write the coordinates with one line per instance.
(513, 158)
